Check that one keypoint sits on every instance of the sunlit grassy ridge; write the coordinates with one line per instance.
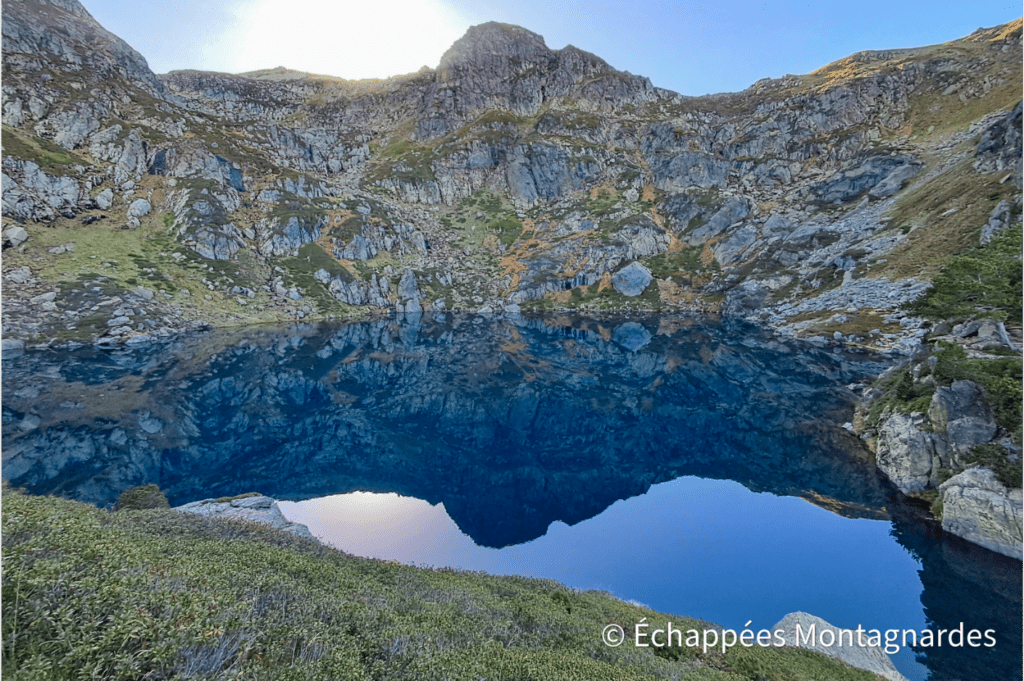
(160, 595)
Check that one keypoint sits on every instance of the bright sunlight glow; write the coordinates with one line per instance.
(352, 40)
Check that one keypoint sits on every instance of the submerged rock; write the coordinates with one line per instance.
(631, 336)
(257, 508)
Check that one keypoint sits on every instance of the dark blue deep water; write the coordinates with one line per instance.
(698, 468)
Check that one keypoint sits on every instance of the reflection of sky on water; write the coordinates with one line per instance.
(702, 548)
(516, 425)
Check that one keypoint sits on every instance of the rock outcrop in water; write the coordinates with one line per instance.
(977, 507)
(950, 452)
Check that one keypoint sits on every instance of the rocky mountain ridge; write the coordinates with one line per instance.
(511, 178)
(512, 174)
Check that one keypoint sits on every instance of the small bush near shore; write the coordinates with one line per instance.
(142, 498)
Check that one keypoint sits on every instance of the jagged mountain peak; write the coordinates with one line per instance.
(493, 41)
(509, 68)
(62, 35)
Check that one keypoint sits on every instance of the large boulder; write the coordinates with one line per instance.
(802, 630)
(978, 508)
(15, 235)
(139, 208)
(104, 199)
(258, 508)
(632, 279)
(961, 412)
(909, 455)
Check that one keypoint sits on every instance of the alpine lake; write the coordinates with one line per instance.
(695, 466)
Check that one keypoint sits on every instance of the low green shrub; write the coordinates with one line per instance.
(142, 498)
(1001, 379)
(985, 280)
(994, 457)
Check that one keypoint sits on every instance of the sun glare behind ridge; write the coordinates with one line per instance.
(352, 40)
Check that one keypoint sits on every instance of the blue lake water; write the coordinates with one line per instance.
(709, 549)
(696, 467)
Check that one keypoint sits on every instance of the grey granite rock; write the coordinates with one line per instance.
(847, 185)
(104, 199)
(776, 225)
(187, 161)
(15, 235)
(217, 243)
(13, 345)
(20, 275)
(731, 249)
(258, 509)
(908, 455)
(632, 279)
(1000, 146)
(139, 208)
(844, 644)
(734, 210)
(977, 507)
(961, 412)
(407, 288)
(894, 181)
(999, 220)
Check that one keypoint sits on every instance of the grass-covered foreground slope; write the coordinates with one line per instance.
(157, 594)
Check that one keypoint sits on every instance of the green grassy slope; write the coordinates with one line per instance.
(160, 595)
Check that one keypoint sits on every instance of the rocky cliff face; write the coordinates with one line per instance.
(510, 178)
(512, 174)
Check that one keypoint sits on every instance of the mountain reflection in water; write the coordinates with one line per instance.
(709, 549)
(511, 424)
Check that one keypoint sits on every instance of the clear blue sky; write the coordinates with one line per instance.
(692, 47)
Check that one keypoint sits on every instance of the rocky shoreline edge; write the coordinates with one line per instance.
(252, 506)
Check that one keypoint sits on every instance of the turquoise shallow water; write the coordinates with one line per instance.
(694, 466)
